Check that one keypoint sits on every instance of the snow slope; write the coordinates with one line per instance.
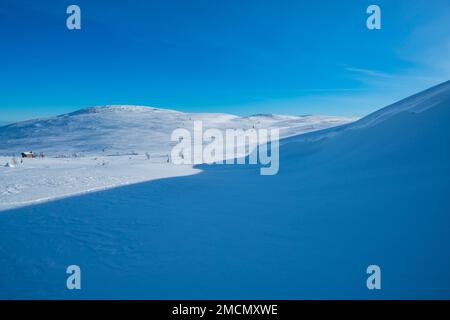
(433, 97)
(373, 192)
(126, 129)
(40, 180)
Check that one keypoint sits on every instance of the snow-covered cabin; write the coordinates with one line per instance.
(28, 155)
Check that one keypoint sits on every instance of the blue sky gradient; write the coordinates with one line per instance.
(242, 57)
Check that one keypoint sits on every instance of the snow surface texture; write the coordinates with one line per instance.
(104, 147)
(371, 192)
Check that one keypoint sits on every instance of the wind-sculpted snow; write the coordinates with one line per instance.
(433, 97)
(375, 194)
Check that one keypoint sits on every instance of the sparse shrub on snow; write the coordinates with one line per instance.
(14, 162)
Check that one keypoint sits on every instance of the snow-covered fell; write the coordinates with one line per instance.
(125, 129)
(103, 147)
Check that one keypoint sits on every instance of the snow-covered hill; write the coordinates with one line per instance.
(126, 129)
(104, 147)
(373, 192)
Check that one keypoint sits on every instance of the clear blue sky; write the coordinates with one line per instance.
(235, 56)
